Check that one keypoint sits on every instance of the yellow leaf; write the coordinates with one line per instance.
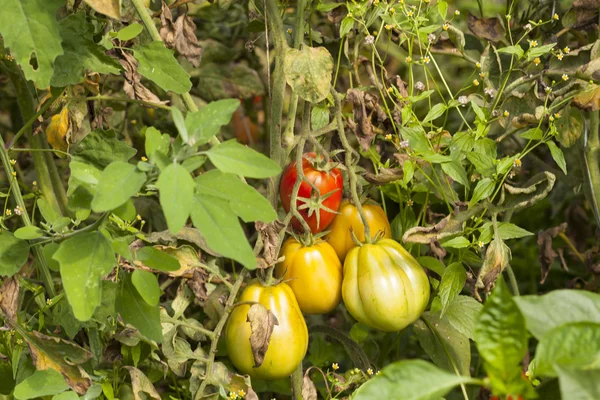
(589, 100)
(57, 130)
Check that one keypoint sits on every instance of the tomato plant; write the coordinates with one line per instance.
(317, 201)
(348, 222)
(314, 273)
(288, 341)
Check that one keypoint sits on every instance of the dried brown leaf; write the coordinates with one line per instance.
(186, 41)
(486, 28)
(9, 298)
(262, 322)
(270, 236)
(363, 129)
(309, 391)
(198, 284)
(547, 252)
(132, 86)
(589, 100)
(448, 226)
(385, 176)
(497, 257)
(167, 26)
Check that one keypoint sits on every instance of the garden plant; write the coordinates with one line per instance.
(300, 199)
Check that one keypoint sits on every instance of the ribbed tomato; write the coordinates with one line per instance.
(289, 339)
(317, 208)
(384, 286)
(314, 273)
(348, 218)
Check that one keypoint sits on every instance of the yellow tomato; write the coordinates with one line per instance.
(384, 286)
(289, 340)
(339, 236)
(314, 273)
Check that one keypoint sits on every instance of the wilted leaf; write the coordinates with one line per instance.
(497, 257)
(535, 189)
(589, 100)
(133, 87)
(547, 252)
(224, 81)
(180, 35)
(186, 233)
(141, 383)
(9, 298)
(270, 236)
(486, 28)
(309, 391)
(262, 322)
(111, 8)
(448, 226)
(57, 130)
(361, 120)
(590, 71)
(198, 284)
(384, 176)
(309, 72)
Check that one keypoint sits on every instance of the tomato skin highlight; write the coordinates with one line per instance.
(327, 182)
(289, 340)
(348, 218)
(384, 286)
(314, 273)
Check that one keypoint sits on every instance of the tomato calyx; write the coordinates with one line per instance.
(320, 163)
(315, 204)
(308, 239)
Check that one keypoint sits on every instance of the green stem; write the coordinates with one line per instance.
(590, 146)
(44, 271)
(513, 280)
(297, 380)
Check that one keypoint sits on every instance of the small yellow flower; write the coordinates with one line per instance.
(456, 12)
(445, 27)
(34, 183)
(49, 302)
(289, 31)
(241, 393)
(409, 13)
(14, 173)
(335, 366)
(478, 65)
(133, 121)
(19, 341)
(374, 33)
(560, 56)
(393, 10)
(409, 202)
(556, 115)
(506, 113)
(8, 212)
(555, 17)
(409, 59)
(565, 77)
(12, 332)
(388, 136)
(480, 244)
(533, 43)
(370, 371)
(388, 27)
(426, 1)
(390, 90)
(233, 396)
(138, 217)
(377, 373)
(537, 61)
(475, 82)
(548, 89)
(375, 2)
(517, 163)
(426, 59)
(144, 158)
(13, 161)
(551, 118)
(567, 50)
(482, 75)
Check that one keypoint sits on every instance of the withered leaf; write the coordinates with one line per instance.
(363, 129)
(497, 257)
(448, 226)
(385, 176)
(141, 383)
(132, 86)
(167, 27)
(547, 252)
(262, 323)
(534, 190)
(187, 234)
(270, 236)
(309, 391)
(180, 35)
(198, 284)
(486, 28)
(590, 71)
(9, 298)
(111, 8)
(589, 100)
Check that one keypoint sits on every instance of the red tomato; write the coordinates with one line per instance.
(317, 209)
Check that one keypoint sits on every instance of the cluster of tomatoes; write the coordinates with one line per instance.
(381, 284)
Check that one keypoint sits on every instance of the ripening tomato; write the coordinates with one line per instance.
(384, 286)
(314, 273)
(246, 131)
(289, 340)
(339, 236)
(317, 209)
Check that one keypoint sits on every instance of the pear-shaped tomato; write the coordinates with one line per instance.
(384, 286)
(314, 273)
(348, 218)
(289, 339)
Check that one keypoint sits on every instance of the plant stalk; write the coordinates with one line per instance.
(591, 160)
(297, 381)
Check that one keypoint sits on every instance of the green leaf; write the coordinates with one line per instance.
(99, 148)
(442, 8)
(569, 127)
(221, 80)
(533, 134)
(243, 199)
(458, 243)
(129, 32)
(49, 251)
(29, 233)
(30, 30)
(346, 25)
(575, 345)
(453, 281)
(70, 395)
(238, 159)
(462, 314)
(156, 142)
(558, 156)
(455, 170)
(157, 259)
(147, 286)
(433, 264)
(457, 37)
(483, 190)
(84, 260)
(159, 64)
(516, 50)
(205, 123)
(176, 189)
(180, 124)
(221, 228)
(41, 383)
(478, 111)
(319, 117)
(81, 53)
(544, 313)
(118, 182)
(507, 230)
(13, 254)
(501, 337)
(135, 311)
(49, 213)
(534, 52)
(410, 380)
(435, 112)
(416, 139)
(576, 384)
(443, 343)
(483, 163)
(309, 72)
